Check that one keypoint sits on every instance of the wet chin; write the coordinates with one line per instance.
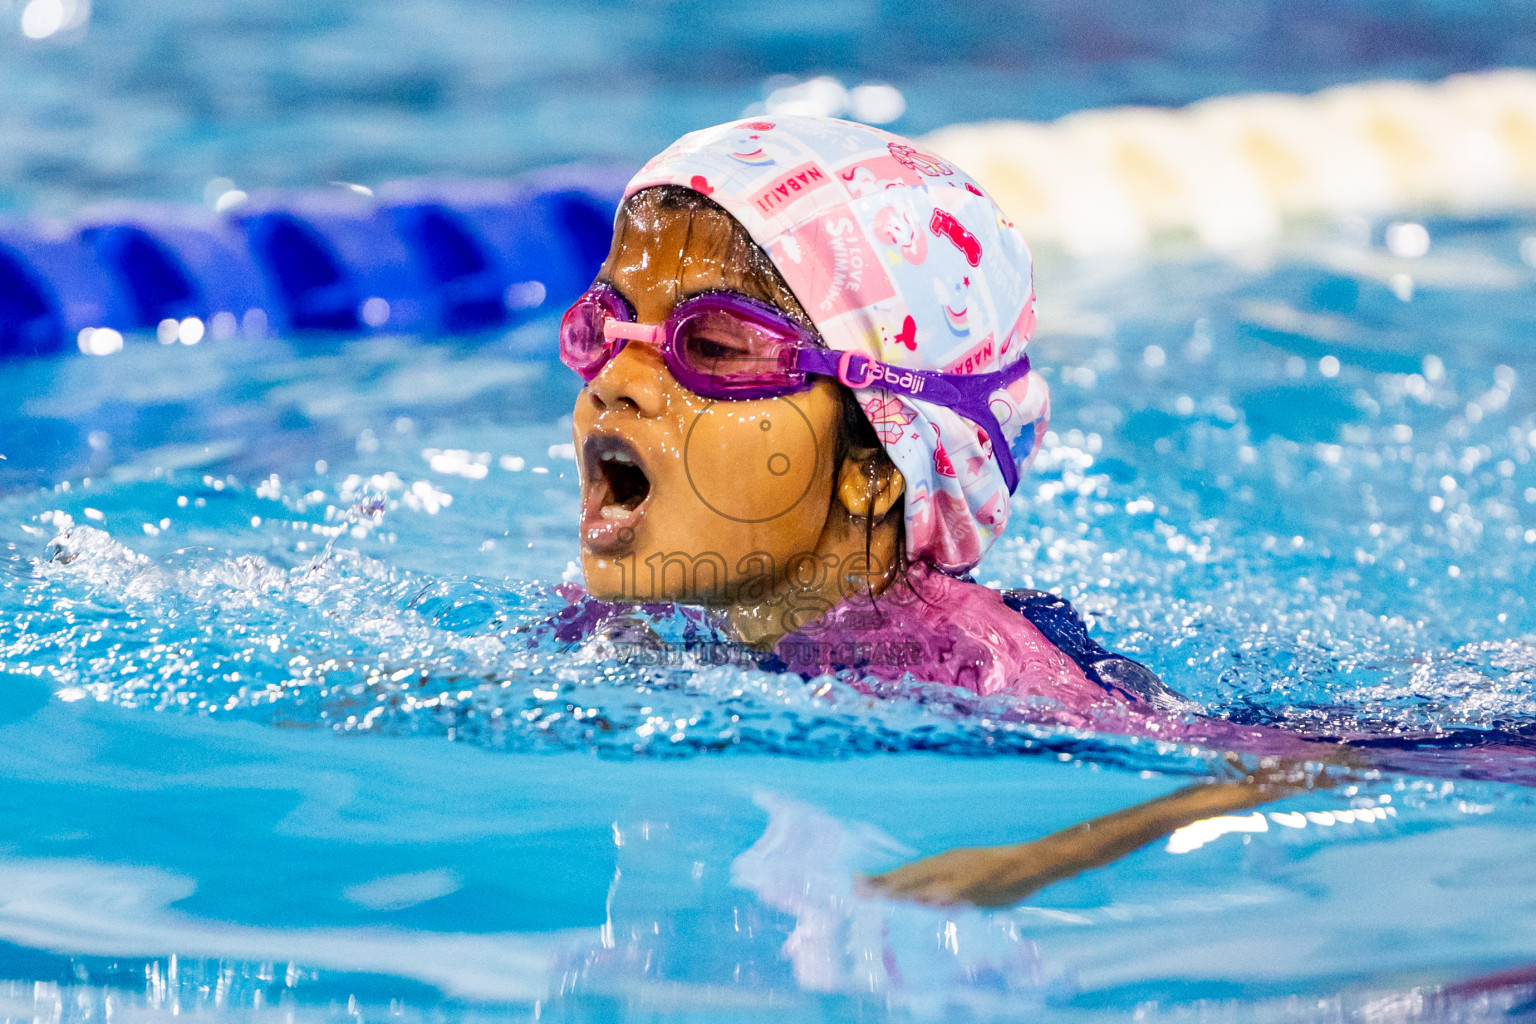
(657, 573)
(606, 578)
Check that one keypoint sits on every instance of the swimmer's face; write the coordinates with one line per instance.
(685, 499)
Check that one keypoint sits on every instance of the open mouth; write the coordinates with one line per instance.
(615, 493)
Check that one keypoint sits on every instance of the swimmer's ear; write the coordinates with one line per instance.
(868, 483)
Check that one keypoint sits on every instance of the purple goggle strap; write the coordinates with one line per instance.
(968, 394)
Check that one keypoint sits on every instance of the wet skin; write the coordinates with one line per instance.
(734, 504)
(998, 876)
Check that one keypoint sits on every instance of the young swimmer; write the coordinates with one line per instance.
(807, 405)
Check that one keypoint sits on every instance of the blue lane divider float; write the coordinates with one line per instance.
(177, 263)
(428, 257)
(52, 289)
(497, 252)
(336, 263)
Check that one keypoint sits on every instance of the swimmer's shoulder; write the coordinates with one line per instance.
(937, 628)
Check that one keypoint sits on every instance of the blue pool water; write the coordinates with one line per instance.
(224, 744)
(274, 744)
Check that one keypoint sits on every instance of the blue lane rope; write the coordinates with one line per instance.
(423, 257)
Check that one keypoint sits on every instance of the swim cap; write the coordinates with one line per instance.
(900, 256)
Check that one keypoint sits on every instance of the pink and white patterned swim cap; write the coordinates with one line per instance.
(899, 255)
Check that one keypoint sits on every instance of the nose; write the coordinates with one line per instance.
(636, 379)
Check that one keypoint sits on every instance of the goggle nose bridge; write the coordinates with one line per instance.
(620, 330)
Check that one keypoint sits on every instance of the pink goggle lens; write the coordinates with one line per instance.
(730, 351)
(582, 345)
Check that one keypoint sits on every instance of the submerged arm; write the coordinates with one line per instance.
(1000, 875)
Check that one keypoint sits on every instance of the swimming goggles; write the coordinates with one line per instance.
(723, 346)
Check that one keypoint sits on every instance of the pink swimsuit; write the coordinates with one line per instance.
(938, 629)
(941, 630)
